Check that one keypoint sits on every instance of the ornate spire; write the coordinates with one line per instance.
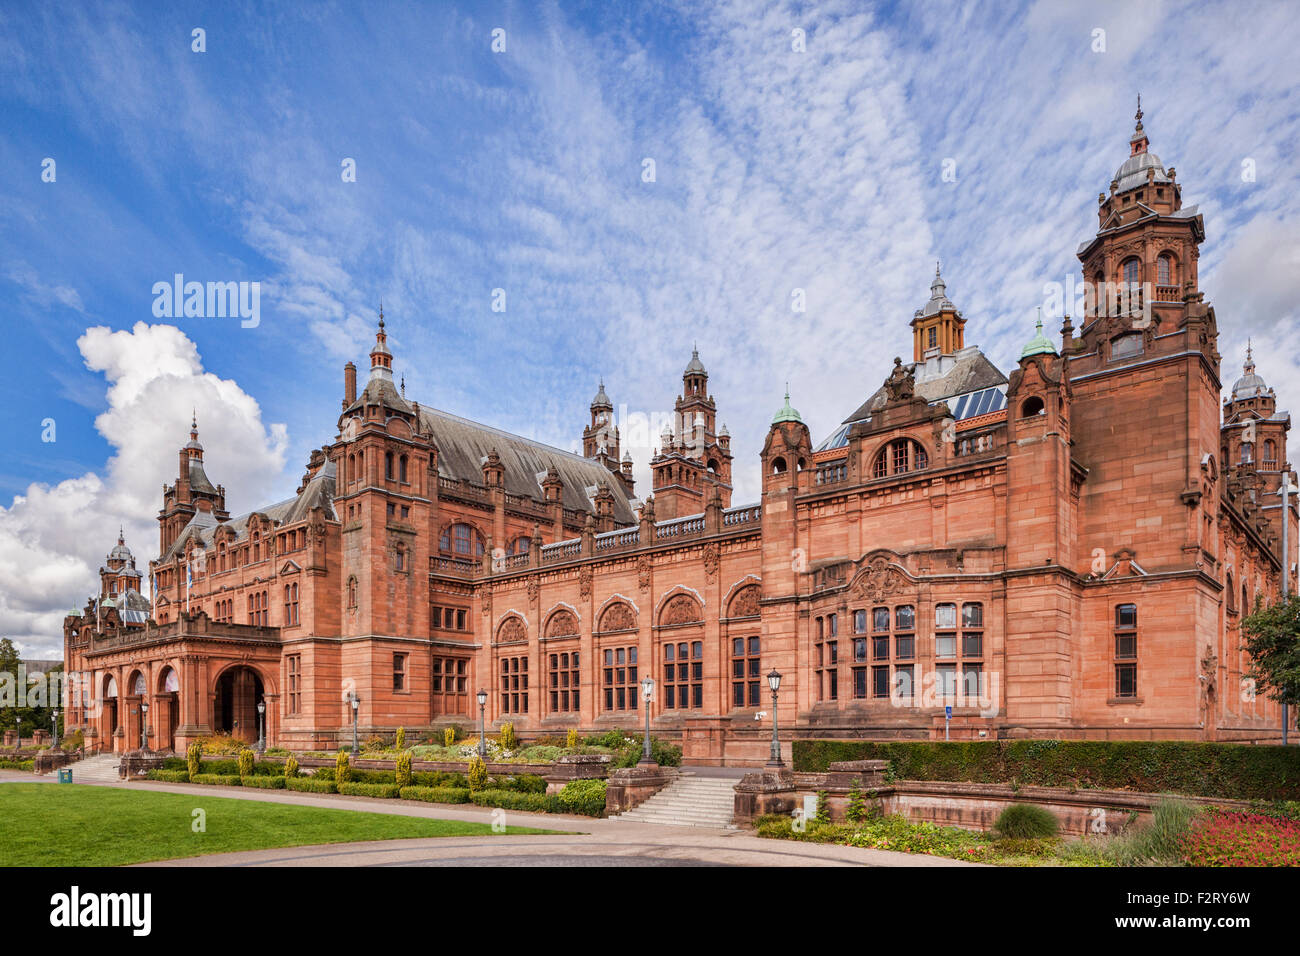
(1138, 141)
(1138, 117)
(1249, 367)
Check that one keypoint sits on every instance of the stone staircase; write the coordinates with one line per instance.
(689, 801)
(101, 769)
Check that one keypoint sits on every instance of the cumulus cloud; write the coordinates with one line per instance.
(53, 538)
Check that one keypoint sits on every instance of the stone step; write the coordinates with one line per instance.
(688, 801)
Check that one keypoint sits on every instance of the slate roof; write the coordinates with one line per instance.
(203, 526)
(463, 445)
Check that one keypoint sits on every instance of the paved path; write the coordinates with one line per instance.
(590, 842)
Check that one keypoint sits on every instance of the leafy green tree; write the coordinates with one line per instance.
(1271, 635)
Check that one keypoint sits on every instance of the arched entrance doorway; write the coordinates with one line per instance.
(235, 704)
(168, 704)
(137, 694)
(108, 713)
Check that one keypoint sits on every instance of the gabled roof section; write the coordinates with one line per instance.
(464, 444)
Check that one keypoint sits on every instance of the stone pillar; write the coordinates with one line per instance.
(631, 786)
(759, 794)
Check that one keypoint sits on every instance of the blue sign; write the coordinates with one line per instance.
(947, 712)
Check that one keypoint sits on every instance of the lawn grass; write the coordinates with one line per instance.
(71, 825)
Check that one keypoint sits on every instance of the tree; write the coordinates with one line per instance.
(1271, 635)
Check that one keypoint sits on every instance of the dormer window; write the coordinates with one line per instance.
(900, 457)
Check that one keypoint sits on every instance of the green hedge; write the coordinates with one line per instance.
(169, 776)
(1239, 771)
(232, 766)
(264, 783)
(513, 800)
(217, 779)
(17, 764)
(586, 797)
(353, 789)
(309, 785)
(436, 794)
(439, 778)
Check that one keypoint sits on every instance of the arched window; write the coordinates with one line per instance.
(352, 592)
(461, 540)
(1132, 272)
(1165, 270)
(388, 465)
(899, 457)
(401, 471)
(1246, 455)
(778, 465)
(520, 545)
(1231, 593)
(401, 557)
(1270, 454)
(1032, 406)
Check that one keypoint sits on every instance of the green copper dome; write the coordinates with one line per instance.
(1040, 344)
(785, 413)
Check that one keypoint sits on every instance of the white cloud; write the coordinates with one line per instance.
(54, 538)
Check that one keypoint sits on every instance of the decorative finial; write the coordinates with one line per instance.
(403, 386)
(936, 268)
(1250, 358)
(381, 314)
(1040, 319)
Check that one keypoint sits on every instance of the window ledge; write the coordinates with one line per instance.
(1122, 701)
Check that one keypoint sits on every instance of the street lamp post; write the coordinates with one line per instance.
(144, 725)
(774, 682)
(481, 697)
(647, 695)
(356, 707)
(261, 726)
(1285, 492)
(56, 728)
(19, 725)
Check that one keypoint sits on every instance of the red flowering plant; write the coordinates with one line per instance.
(1235, 838)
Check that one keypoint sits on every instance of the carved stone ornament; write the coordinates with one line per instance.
(562, 624)
(901, 384)
(617, 617)
(745, 603)
(681, 609)
(710, 559)
(643, 573)
(533, 589)
(878, 581)
(512, 629)
(584, 583)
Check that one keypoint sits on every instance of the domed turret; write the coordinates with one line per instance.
(1040, 344)
(1250, 385)
(786, 413)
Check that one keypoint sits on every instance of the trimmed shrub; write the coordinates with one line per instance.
(263, 783)
(356, 775)
(246, 760)
(1240, 771)
(477, 773)
(507, 738)
(823, 807)
(439, 778)
(403, 772)
(510, 800)
(342, 769)
(571, 740)
(291, 767)
(448, 736)
(400, 740)
(309, 785)
(436, 794)
(586, 797)
(217, 779)
(323, 773)
(373, 743)
(17, 764)
(523, 783)
(390, 790)
(1026, 821)
(169, 776)
(194, 757)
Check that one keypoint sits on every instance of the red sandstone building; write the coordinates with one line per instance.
(1064, 551)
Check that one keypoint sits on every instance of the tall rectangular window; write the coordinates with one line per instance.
(514, 685)
(746, 673)
(563, 680)
(683, 675)
(399, 672)
(295, 683)
(620, 678)
(1126, 650)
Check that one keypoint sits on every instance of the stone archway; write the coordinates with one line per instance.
(108, 713)
(234, 704)
(167, 708)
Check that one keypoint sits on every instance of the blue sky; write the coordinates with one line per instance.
(521, 170)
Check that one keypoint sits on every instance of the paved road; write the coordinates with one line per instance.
(589, 842)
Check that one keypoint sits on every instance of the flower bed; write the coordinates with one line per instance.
(1226, 838)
